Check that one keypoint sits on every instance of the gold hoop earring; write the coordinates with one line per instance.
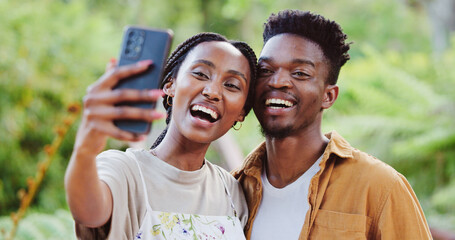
(167, 101)
(236, 129)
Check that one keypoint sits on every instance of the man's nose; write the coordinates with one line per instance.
(280, 79)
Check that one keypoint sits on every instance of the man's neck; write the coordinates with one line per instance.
(290, 157)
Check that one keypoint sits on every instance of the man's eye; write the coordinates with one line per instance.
(264, 71)
(301, 74)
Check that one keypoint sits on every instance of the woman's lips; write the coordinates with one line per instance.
(204, 113)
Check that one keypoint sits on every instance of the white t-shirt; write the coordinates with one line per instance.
(282, 211)
(169, 189)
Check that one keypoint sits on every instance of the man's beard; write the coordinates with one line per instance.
(276, 132)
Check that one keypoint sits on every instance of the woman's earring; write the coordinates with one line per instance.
(167, 101)
(238, 128)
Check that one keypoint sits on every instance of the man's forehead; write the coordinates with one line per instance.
(291, 47)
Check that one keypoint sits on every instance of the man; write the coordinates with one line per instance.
(301, 184)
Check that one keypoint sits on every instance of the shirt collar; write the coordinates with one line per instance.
(252, 165)
(337, 145)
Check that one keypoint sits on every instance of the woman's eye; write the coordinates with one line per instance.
(231, 85)
(200, 75)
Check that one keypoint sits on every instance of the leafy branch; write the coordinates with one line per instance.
(33, 183)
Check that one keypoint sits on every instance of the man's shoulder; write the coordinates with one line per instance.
(362, 184)
(368, 171)
(363, 166)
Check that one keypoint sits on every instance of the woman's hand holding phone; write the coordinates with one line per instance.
(101, 107)
(88, 197)
(120, 104)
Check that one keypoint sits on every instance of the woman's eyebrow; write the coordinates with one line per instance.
(238, 74)
(206, 62)
(210, 64)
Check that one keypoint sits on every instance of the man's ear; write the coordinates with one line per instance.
(169, 88)
(330, 95)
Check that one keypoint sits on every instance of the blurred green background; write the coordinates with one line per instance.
(397, 99)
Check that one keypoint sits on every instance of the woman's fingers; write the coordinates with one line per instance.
(122, 72)
(111, 65)
(101, 104)
(114, 75)
(110, 113)
(122, 95)
(109, 129)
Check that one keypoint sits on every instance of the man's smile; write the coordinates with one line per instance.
(277, 103)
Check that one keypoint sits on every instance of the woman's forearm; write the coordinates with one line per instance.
(89, 198)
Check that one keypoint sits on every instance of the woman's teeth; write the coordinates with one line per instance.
(208, 111)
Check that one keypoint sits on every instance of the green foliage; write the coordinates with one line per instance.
(59, 225)
(49, 61)
(444, 196)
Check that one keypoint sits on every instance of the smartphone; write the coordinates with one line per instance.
(141, 43)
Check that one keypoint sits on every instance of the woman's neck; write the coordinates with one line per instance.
(181, 152)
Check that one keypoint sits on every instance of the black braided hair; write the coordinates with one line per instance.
(246, 50)
(177, 57)
(327, 34)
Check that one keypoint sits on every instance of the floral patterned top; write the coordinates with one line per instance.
(180, 226)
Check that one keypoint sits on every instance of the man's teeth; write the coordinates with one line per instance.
(209, 111)
(272, 102)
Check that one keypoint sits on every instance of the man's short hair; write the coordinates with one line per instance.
(327, 34)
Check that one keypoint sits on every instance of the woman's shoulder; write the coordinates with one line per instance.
(118, 155)
(121, 162)
(221, 171)
(112, 153)
(230, 181)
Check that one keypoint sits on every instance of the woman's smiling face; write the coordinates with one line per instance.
(209, 92)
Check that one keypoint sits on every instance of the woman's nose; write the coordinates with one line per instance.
(212, 91)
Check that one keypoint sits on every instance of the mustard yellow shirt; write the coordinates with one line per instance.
(353, 196)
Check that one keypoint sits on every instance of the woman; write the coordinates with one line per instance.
(171, 191)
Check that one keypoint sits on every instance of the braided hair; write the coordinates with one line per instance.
(177, 57)
(327, 34)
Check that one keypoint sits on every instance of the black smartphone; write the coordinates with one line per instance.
(141, 43)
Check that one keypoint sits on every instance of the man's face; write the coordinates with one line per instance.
(290, 89)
